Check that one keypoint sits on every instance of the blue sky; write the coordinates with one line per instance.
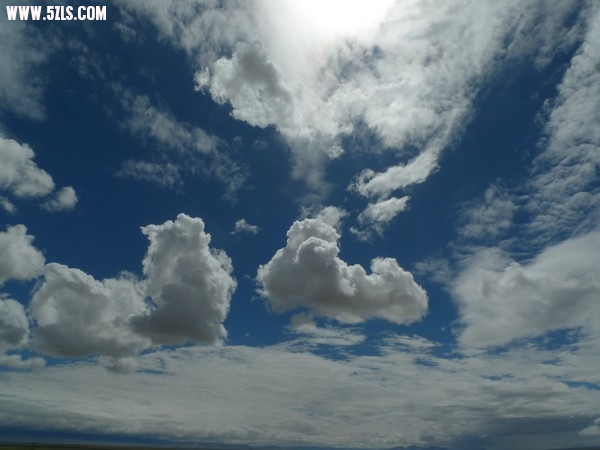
(301, 223)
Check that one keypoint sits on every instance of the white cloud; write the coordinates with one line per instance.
(165, 175)
(184, 297)
(592, 430)
(64, 200)
(564, 182)
(22, 178)
(19, 174)
(14, 326)
(308, 273)
(185, 150)
(377, 215)
(19, 260)
(381, 185)
(76, 315)
(22, 52)
(190, 284)
(398, 394)
(501, 300)
(410, 76)
(7, 205)
(309, 333)
(14, 335)
(489, 218)
(241, 226)
(331, 215)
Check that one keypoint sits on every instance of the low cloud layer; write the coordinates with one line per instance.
(308, 273)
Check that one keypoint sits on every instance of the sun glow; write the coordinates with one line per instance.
(340, 17)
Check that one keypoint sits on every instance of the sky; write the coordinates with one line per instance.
(301, 223)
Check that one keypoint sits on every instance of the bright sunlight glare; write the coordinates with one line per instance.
(340, 17)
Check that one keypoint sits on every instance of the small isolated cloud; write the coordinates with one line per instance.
(7, 205)
(241, 226)
(501, 300)
(308, 273)
(381, 185)
(19, 260)
(19, 174)
(189, 283)
(64, 200)
(21, 177)
(377, 216)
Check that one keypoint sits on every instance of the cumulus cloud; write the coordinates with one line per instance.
(14, 326)
(183, 297)
(308, 273)
(19, 260)
(14, 334)
(64, 200)
(77, 315)
(21, 177)
(241, 226)
(501, 300)
(190, 284)
(19, 174)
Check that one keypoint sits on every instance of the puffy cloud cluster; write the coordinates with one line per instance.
(19, 174)
(19, 259)
(184, 296)
(189, 283)
(14, 326)
(76, 315)
(14, 334)
(501, 300)
(308, 273)
(21, 177)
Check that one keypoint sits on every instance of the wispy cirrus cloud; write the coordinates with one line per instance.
(185, 150)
